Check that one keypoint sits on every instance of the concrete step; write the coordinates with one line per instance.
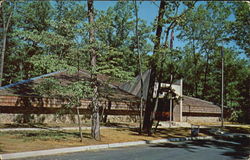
(174, 124)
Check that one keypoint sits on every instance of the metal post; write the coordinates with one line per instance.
(170, 95)
(170, 121)
(222, 87)
(171, 111)
(181, 101)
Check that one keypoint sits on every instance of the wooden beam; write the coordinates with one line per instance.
(200, 114)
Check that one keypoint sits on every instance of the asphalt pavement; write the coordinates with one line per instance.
(189, 150)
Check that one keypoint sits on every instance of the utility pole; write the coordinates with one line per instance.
(222, 87)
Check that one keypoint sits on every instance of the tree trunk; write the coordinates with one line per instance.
(2, 57)
(79, 123)
(147, 124)
(5, 30)
(140, 67)
(95, 128)
(204, 93)
(105, 116)
(195, 68)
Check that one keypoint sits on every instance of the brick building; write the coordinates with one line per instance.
(118, 100)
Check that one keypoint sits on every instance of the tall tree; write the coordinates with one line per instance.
(116, 31)
(33, 22)
(6, 13)
(204, 41)
(139, 63)
(240, 27)
(168, 18)
(95, 128)
(147, 122)
(190, 30)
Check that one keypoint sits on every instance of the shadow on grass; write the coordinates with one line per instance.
(117, 125)
(237, 130)
(48, 134)
(47, 131)
(27, 125)
(231, 149)
(1, 150)
(164, 132)
(20, 125)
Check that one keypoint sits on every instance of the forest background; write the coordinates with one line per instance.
(40, 37)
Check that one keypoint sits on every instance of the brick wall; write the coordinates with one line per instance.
(11, 107)
(7, 103)
(122, 110)
(200, 119)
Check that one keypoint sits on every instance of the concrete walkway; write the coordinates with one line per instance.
(56, 128)
(163, 125)
(104, 146)
(38, 129)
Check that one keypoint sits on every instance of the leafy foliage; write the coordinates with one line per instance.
(240, 27)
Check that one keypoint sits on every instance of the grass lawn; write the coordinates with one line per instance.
(20, 141)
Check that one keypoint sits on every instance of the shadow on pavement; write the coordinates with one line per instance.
(233, 149)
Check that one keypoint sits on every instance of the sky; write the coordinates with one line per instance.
(147, 9)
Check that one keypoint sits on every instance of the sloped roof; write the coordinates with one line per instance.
(196, 102)
(134, 86)
(108, 88)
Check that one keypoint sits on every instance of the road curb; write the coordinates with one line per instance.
(93, 147)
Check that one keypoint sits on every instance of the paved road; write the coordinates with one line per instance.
(193, 150)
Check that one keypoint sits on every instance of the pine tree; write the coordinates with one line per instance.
(95, 127)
